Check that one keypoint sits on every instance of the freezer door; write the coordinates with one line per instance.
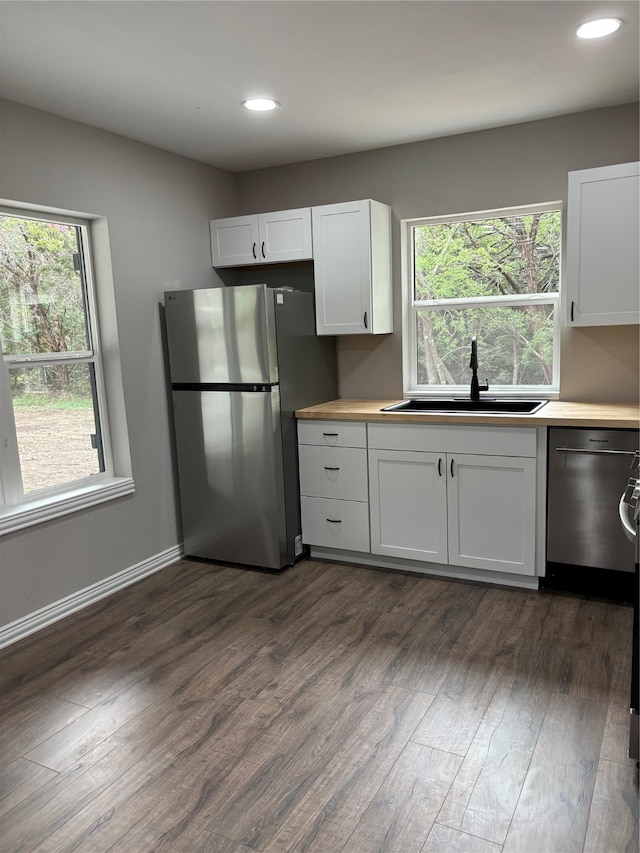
(230, 471)
(221, 335)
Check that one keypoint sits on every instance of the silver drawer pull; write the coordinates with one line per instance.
(334, 520)
(587, 450)
(327, 468)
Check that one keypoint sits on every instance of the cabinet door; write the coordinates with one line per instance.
(285, 235)
(492, 512)
(603, 279)
(234, 241)
(408, 504)
(342, 268)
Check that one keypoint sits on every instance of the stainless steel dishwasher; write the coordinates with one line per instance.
(587, 550)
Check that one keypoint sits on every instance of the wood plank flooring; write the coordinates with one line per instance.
(331, 708)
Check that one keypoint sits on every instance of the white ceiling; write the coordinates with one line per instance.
(350, 75)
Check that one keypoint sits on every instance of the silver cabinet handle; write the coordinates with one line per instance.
(331, 434)
(253, 249)
(334, 520)
(587, 450)
(328, 468)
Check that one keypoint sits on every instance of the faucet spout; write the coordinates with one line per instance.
(476, 388)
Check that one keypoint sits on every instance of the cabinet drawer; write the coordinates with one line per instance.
(332, 433)
(335, 524)
(333, 472)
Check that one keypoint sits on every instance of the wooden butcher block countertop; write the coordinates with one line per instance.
(554, 413)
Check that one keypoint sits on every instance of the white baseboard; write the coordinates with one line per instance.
(435, 569)
(40, 619)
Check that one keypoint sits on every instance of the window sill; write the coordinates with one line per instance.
(46, 508)
(501, 392)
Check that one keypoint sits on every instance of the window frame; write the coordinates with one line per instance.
(411, 307)
(17, 509)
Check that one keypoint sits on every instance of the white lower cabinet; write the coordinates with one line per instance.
(475, 510)
(334, 484)
(459, 496)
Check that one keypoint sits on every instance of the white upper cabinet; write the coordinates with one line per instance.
(603, 280)
(263, 238)
(285, 235)
(352, 268)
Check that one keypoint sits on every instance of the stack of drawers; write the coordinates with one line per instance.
(334, 485)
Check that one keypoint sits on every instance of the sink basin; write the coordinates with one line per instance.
(487, 406)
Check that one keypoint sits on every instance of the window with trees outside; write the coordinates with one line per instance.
(495, 276)
(54, 425)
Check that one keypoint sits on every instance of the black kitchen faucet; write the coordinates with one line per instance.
(476, 388)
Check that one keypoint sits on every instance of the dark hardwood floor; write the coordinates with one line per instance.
(331, 708)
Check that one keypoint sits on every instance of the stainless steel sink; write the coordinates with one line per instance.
(487, 406)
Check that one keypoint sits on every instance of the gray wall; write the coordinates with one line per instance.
(158, 207)
(514, 165)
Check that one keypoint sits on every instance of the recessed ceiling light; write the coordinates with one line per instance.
(260, 104)
(599, 28)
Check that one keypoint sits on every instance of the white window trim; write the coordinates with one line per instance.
(48, 507)
(411, 388)
(18, 512)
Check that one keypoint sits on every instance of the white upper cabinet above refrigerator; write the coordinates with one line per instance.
(352, 268)
(262, 238)
(603, 278)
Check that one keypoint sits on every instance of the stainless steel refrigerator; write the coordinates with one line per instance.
(242, 360)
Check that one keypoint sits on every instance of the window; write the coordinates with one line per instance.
(494, 276)
(54, 424)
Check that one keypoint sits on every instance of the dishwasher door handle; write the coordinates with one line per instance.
(623, 512)
(588, 450)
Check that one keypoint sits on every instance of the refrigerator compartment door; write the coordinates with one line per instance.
(222, 335)
(335, 524)
(229, 453)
